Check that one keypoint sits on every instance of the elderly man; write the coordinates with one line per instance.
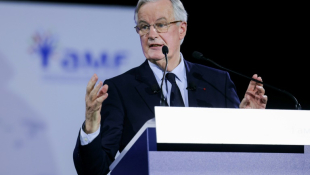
(111, 122)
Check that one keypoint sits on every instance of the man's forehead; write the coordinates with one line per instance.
(155, 11)
(157, 20)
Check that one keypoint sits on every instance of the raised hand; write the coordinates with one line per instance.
(254, 97)
(94, 97)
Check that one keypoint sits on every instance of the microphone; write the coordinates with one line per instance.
(155, 89)
(165, 51)
(199, 56)
(191, 86)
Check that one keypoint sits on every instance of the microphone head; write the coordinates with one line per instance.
(165, 50)
(155, 88)
(191, 86)
(197, 55)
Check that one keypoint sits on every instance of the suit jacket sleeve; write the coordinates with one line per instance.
(96, 157)
(232, 99)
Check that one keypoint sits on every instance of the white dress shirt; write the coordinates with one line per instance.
(181, 80)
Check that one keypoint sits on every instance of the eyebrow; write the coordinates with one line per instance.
(161, 18)
(142, 21)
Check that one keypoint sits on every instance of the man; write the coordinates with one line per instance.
(111, 122)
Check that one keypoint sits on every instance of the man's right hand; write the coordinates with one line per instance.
(94, 97)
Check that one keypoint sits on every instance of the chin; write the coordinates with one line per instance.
(155, 56)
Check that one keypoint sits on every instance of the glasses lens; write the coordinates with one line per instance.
(161, 27)
(143, 29)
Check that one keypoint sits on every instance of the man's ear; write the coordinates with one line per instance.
(182, 29)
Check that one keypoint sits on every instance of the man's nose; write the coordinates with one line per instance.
(153, 32)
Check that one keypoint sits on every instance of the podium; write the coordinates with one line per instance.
(218, 141)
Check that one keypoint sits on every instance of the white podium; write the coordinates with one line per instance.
(219, 141)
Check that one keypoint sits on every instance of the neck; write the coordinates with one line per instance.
(172, 62)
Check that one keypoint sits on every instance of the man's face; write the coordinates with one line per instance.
(154, 12)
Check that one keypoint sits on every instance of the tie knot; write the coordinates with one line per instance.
(170, 77)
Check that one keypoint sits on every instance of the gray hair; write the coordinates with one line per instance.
(178, 10)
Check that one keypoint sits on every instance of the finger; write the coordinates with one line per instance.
(91, 83)
(94, 92)
(97, 103)
(249, 95)
(103, 90)
(252, 84)
(264, 99)
(261, 99)
(255, 76)
(245, 102)
(259, 79)
(262, 103)
(102, 98)
(260, 90)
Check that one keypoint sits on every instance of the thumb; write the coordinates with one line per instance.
(245, 101)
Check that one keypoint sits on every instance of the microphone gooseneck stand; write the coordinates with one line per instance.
(199, 55)
(162, 98)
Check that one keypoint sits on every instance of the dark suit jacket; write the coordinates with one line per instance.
(131, 103)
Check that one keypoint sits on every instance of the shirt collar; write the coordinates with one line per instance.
(179, 71)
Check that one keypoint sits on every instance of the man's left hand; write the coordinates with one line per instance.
(254, 97)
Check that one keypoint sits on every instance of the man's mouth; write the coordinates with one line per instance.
(156, 45)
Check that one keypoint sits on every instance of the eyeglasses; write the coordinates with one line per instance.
(161, 27)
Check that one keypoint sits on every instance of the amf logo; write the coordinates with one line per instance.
(59, 63)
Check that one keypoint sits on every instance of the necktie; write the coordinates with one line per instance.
(175, 95)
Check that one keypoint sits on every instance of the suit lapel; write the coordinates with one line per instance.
(191, 79)
(146, 79)
(200, 97)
